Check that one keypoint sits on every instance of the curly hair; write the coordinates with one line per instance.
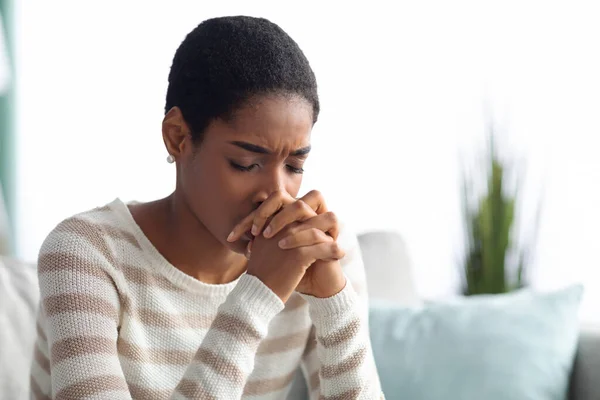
(225, 62)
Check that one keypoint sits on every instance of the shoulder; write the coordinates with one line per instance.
(88, 234)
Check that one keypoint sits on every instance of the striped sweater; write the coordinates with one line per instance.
(117, 321)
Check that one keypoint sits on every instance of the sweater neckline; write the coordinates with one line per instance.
(161, 265)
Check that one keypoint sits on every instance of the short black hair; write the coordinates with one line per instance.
(226, 61)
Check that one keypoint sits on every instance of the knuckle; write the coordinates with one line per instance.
(316, 193)
(299, 205)
(261, 214)
(336, 250)
(331, 217)
(316, 234)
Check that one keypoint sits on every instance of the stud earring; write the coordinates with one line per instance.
(170, 159)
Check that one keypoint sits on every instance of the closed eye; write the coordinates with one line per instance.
(242, 167)
(295, 170)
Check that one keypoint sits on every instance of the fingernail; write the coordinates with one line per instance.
(230, 236)
(254, 230)
(282, 243)
(268, 231)
(249, 247)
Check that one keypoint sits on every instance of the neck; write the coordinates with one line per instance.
(186, 243)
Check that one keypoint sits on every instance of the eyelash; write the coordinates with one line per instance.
(293, 170)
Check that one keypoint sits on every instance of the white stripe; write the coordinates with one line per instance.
(168, 375)
(182, 339)
(61, 282)
(62, 326)
(276, 365)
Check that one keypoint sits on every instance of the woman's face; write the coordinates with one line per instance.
(241, 162)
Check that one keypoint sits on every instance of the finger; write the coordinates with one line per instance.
(322, 251)
(296, 212)
(327, 223)
(307, 237)
(263, 212)
(242, 227)
(316, 201)
(269, 208)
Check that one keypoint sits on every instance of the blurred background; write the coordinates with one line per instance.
(410, 92)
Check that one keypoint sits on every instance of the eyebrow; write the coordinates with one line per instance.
(261, 150)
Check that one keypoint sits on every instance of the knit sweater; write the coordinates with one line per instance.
(118, 321)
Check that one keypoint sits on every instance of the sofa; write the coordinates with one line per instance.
(389, 278)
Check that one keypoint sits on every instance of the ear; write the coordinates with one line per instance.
(176, 133)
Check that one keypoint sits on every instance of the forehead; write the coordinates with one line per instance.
(275, 122)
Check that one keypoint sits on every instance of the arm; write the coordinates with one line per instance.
(82, 305)
(338, 360)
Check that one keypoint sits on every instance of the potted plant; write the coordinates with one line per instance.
(494, 260)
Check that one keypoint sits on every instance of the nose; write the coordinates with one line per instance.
(270, 182)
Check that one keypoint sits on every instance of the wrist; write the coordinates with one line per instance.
(332, 288)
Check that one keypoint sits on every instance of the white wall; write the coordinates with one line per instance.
(403, 92)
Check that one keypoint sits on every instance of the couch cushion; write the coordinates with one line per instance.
(18, 304)
(585, 380)
(388, 268)
(514, 346)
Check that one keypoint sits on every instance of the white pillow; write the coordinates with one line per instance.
(19, 297)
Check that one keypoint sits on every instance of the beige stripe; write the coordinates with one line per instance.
(36, 390)
(77, 302)
(92, 386)
(71, 262)
(103, 208)
(341, 336)
(81, 345)
(153, 356)
(264, 386)
(87, 228)
(294, 302)
(193, 390)
(41, 359)
(119, 234)
(221, 366)
(351, 394)
(311, 341)
(143, 277)
(140, 392)
(351, 363)
(88, 232)
(239, 329)
(314, 381)
(165, 320)
(285, 343)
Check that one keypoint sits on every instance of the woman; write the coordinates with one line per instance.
(222, 289)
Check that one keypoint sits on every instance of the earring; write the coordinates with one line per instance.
(170, 159)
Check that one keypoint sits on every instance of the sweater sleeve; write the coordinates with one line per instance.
(81, 306)
(338, 361)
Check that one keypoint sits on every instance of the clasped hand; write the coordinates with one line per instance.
(294, 246)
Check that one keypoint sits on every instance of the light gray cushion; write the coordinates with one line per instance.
(18, 304)
(585, 381)
(388, 268)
